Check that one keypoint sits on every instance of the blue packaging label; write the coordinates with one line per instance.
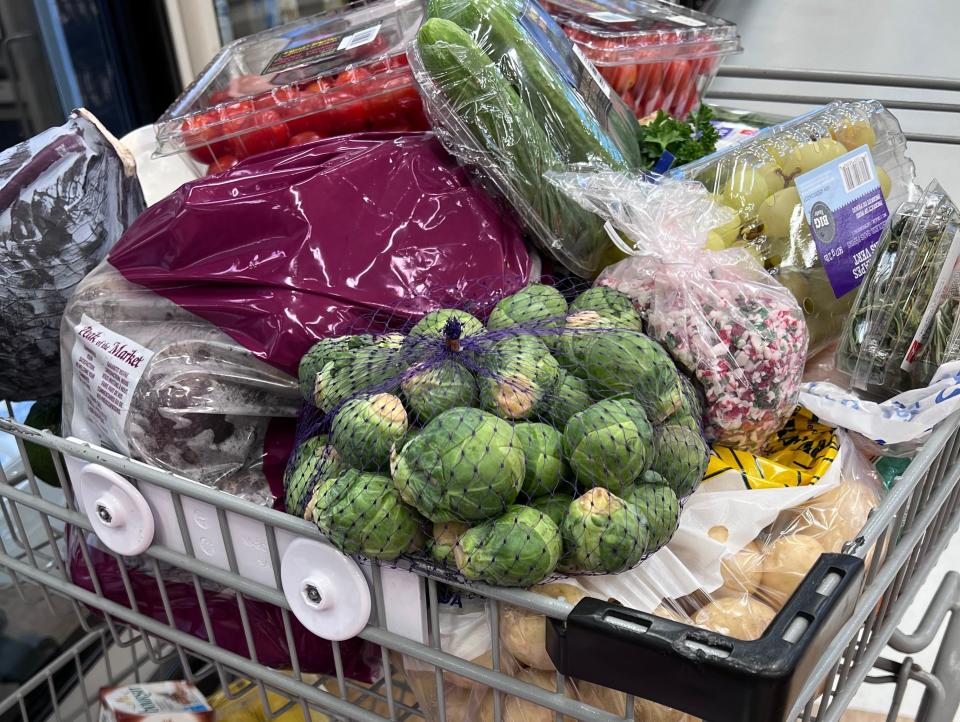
(846, 211)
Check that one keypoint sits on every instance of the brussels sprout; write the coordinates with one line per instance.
(680, 456)
(431, 390)
(313, 461)
(578, 335)
(436, 325)
(570, 397)
(651, 477)
(361, 513)
(518, 373)
(609, 444)
(372, 366)
(555, 506)
(465, 465)
(536, 306)
(682, 418)
(628, 362)
(323, 351)
(517, 549)
(603, 533)
(609, 303)
(658, 506)
(365, 428)
(399, 444)
(543, 458)
(444, 539)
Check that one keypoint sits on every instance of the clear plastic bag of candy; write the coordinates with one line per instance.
(723, 318)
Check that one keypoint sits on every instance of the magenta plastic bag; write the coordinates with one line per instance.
(360, 660)
(214, 294)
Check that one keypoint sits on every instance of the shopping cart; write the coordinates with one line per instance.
(828, 640)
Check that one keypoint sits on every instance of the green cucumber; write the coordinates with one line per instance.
(512, 140)
(570, 124)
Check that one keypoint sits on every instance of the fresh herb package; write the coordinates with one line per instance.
(904, 323)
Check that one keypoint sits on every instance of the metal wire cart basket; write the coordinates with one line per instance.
(828, 639)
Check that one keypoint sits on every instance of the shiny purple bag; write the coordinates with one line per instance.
(228, 281)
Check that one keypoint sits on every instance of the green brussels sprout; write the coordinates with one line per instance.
(444, 540)
(431, 390)
(658, 505)
(324, 351)
(629, 362)
(519, 374)
(535, 306)
(609, 303)
(373, 366)
(312, 462)
(365, 428)
(543, 458)
(517, 549)
(682, 418)
(569, 398)
(399, 444)
(361, 513)
(603, 533)
(555, 506)
(609, 444)
(692, 404)
(465, 465)
(680, 456)
(577, 336)
(651, 477)
(435, 324)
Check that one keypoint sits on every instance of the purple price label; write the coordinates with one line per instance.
(847, 213)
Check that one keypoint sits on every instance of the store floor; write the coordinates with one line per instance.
(875, 36)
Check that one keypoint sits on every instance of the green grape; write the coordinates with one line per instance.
(745, 190)
(773, 175)
(780, 148)
(884, 182)
(855, 134)
(780, 212)
(812, 155)
(730, 228)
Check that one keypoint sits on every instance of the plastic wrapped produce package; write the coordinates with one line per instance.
(720, 315)
(757, 180)
(904, 322)
(554, 439)
(508, 94)
(655, 58)
(66, 196)
(325, 75)
(182, 348)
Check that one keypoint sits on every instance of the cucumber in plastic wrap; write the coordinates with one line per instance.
(502, 29)
(477, 105)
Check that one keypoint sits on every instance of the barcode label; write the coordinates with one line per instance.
(361, 37)
(594, 73)
(688, 21)
(606, 17)
(856, 172)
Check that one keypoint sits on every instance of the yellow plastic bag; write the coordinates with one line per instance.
(797, 455)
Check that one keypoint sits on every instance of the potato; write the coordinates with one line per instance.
(517, 709)
(524, 633)
(740, 617)
(484, 660)
(467, 704)
(646, 711)
(785, 564)
(742, 572)
(837, 516)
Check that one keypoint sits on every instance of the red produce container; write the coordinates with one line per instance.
(321, 76)
(656, 55)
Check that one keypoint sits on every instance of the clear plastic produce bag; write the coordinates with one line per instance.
(904, 322)
(554, 439)
(757, 180)
(719, 314)
(508, 93)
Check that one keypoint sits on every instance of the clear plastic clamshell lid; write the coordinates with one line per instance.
(618, 31)
(305, 68)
